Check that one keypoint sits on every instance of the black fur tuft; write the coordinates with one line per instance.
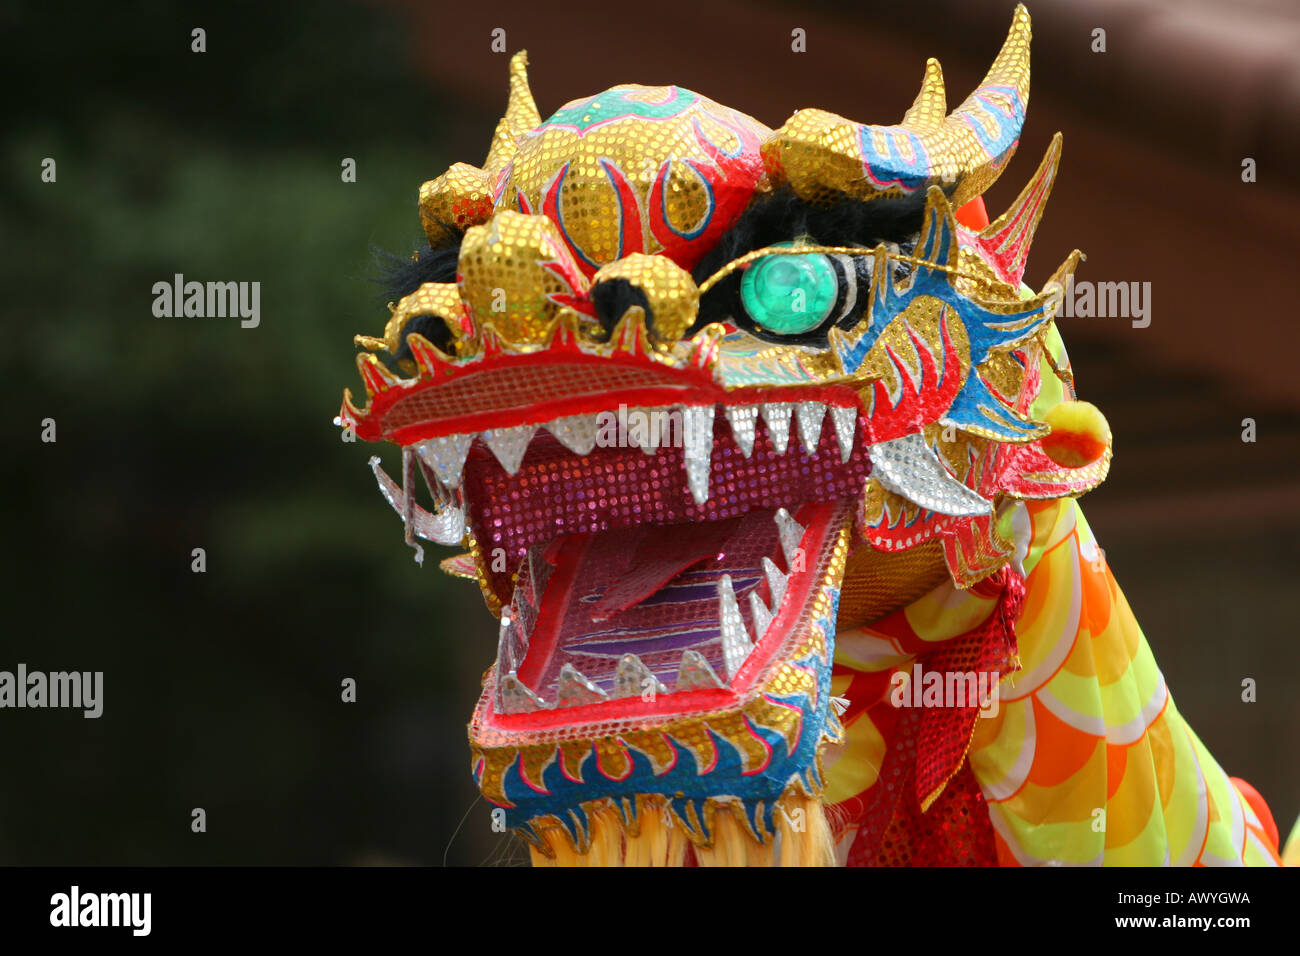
(783, 216)
(613, 298)
(399, 276)
(432, 327)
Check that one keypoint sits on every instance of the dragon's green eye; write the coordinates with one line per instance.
(790, 294)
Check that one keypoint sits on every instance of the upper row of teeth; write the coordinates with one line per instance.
(633, 677)
(446, 455)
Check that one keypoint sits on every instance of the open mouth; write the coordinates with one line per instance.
(655, 611)
(663, 572)
(658, 565)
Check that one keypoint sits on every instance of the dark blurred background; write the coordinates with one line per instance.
(222, 689)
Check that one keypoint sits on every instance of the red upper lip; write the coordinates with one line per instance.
(498, 389)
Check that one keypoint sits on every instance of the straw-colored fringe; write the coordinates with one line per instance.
(732, 844)
(803, 838)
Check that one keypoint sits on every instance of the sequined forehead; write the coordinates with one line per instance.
(656, 170)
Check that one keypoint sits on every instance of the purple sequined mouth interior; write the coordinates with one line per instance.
(657, 610)
(648, 591)
(556, 492)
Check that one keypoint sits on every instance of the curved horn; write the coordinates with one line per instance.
(820, 154)
(931, 105)
(463, 196)
(521, 116)
(986, 127)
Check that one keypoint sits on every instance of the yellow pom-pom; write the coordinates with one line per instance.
(1080, 434)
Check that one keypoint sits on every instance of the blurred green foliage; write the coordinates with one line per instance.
(222, 689)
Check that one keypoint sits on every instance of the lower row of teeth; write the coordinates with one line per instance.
(633, 678)
(446, 455)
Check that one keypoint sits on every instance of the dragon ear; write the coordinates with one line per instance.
(1007, 239)
(521, 116)
(938, 240)
(459, 198)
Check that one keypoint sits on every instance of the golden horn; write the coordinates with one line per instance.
(1005, 84)
(931, 106)
(521, 116)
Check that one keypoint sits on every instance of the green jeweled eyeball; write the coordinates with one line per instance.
(790, 294)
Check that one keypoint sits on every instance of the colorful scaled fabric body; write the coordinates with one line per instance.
(765, 458)
(1080, 758)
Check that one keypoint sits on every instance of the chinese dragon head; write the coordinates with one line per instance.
(693, 394)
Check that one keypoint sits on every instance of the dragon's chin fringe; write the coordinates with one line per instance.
(803, 838)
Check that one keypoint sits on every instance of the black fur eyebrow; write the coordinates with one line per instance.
(778, 217)
(398, 277)
(781, 217)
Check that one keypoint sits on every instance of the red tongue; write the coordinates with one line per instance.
(661, 553)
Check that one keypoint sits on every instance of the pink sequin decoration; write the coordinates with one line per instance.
(556, 492)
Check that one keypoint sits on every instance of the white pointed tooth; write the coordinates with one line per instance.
(408, 503)
(510, 642)
(575, 432)
(908, 466)
(736, 644)
(443, 496)
(509, 444)
(697, 478)
(761, 615)
(846, 428)
(575, 689)
(791, 533)
(776, 582)
(408, 499)
(809, 416)
(695, 673)
(633, 678)
(777, 417)
(516, 697)
(446, 526)
(446, 456)
(642, 428)
(697, 436)
(743, 419)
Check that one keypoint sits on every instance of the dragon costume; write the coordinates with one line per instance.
(766, 459)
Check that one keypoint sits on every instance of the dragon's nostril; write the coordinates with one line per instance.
(662, 289)
(434, 328)
(613, 297)
(432, 311)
